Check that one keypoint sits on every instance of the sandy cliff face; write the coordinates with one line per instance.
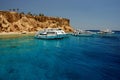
(18, 22)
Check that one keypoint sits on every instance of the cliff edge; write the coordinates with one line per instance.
(20, 22)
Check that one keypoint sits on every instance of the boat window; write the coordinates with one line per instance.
(59, 29)
(50, 32)
(42, 34)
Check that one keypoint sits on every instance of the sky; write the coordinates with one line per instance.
(83, 14)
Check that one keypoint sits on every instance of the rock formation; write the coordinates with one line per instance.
(19, 22)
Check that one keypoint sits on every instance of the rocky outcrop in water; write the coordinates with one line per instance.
(20, 22)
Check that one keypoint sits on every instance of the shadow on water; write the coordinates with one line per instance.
(13, 46)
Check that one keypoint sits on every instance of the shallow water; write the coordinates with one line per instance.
(73, 58)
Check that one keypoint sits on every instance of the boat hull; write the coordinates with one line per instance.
(51, 36)
(83, 35)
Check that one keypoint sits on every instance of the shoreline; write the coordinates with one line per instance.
(15, 34)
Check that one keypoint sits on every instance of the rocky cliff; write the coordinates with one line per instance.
(20, 22)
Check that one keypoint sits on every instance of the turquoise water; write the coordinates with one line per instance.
(72, 58)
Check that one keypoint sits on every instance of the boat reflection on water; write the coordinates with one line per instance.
(54, 43)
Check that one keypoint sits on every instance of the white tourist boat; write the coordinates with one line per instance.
(50, 33)
(83, 33)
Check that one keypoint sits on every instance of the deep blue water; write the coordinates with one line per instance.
(72, 58)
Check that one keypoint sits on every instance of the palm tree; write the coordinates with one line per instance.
(41, 14)
(14, 9)
(29, 13)
(22, 13)
(10, 9)
(17, 9)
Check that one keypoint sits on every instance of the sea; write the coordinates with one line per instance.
(71, 58)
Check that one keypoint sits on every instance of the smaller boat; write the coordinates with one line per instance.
(107, 31)
(50, 33)
(83, 33)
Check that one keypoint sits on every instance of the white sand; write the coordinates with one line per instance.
(15, 34)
